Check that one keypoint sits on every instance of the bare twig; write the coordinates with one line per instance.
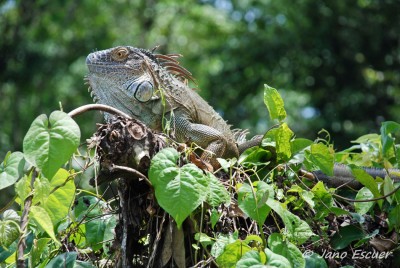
(369, 200)
(156, 241)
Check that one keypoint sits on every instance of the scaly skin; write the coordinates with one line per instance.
(342, 175)
(136, 81)
(149, 87)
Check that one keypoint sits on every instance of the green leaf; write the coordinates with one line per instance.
(366, 238)
(304, 194)
(217, 193)
(274, 103)
(23, 188)
(250, 238)
(204, 239)
(387, 139)
(8, 255)
(50, 142)
(357, 217)
(295, 228)
(65, 260)
(42, 189)
(95, 229)
(163, 162)
(79, 236)
(323, 200)
(394, 217)
(88, 206)
(367, 180)
(314, 260)
(11, 169)
(109, 233)
(255, 156)
(59, 202)
(363, 207)
(225, 164)
(9, 228)
(388, 187)
(345, 236)
(322, 157)
(42, 219)
(282, 136)
(38, 248)
(276, 260)
(368, 138)
(252, 200)
(178, 190)
(215, 215)
(11, 215)
(252, 259)
(286, 249)
(299, 144)
(221, 242)
(232, 254)
(98, 226)
(83, 264)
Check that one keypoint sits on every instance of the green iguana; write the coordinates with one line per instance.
(152, 87)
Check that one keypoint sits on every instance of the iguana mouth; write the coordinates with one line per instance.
(96, 64)
(104, 68)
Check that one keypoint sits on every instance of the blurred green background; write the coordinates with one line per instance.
(336, 63)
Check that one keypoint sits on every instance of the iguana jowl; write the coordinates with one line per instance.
(150, 87)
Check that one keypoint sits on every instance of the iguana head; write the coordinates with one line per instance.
(129, 78)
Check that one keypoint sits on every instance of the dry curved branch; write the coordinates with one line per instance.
(99, 107)
(132, 171)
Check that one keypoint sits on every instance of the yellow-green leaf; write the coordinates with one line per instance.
(274, 103)
(42, 219)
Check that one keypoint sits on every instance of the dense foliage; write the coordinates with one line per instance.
(257, 210)
(335, 62)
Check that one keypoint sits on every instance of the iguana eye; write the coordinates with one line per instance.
(144, 91)
(120, 54)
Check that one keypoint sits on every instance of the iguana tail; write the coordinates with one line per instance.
(342, 175)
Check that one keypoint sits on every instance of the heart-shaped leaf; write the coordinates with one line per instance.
(252, 200)
(11, 169)
(50, 142)
(178, 190)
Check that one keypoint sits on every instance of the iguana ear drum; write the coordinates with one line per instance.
(144, 91)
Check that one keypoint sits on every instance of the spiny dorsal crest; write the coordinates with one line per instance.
(171, 64)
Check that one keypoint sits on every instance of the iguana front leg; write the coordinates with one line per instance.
(212, 140)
